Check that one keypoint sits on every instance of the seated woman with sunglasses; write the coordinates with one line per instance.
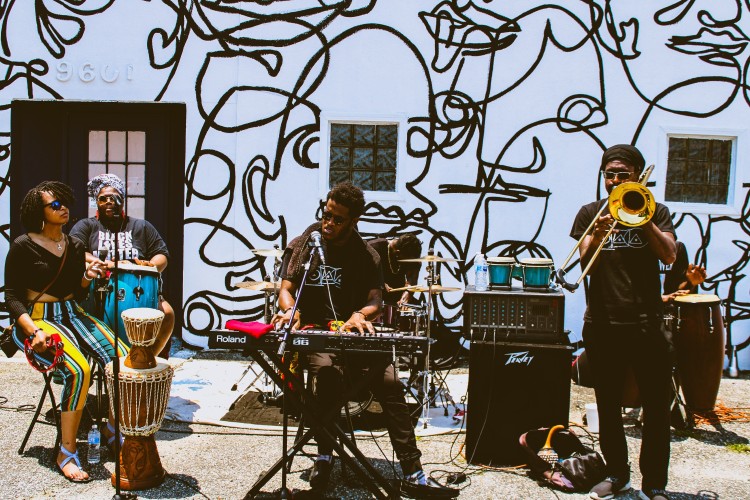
(138, 241)
(32, 263)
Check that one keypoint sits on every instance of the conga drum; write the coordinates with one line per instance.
(144, 394)
(699, 341)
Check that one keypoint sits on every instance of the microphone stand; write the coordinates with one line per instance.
(116, 375)
(284, 492)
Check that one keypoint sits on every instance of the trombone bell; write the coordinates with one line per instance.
(632, 204)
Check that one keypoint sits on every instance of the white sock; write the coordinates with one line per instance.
(326, 458)
(417, 477)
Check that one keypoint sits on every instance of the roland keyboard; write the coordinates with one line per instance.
(322, 341)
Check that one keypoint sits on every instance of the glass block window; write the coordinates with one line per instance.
(122, 153)
(698, 170)
(364, 154)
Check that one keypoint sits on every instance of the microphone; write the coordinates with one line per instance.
(315, 237)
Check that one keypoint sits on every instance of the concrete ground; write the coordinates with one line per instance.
(223, 463)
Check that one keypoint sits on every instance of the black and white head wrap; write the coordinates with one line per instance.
(105, 180)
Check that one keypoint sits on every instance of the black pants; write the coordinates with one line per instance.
(611, 349)
(328, 381)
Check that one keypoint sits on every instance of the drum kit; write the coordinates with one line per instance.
(409, 317)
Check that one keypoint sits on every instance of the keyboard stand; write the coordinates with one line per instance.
(347, 450)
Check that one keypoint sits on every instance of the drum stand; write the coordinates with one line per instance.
(271, 298)
(429, 392)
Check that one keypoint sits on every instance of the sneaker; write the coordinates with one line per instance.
(609, 488)
(653, 494)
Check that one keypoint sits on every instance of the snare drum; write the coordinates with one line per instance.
(537, 272)
(698, 334)
(402, 318)
(501, 271)
(137, 286)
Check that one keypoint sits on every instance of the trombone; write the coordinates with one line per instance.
(631, 204)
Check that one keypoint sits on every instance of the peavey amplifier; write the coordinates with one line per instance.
(514, 315)
(513, 388)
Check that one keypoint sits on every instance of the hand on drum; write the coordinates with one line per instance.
(95, 269)
(282, 318)
(670, 297)
(144, 263)
(695, 274)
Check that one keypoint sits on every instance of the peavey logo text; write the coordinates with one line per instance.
(520, 358)
(231, 340)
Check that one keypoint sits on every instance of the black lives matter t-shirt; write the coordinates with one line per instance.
(625, 286)
(138, 239)
(351, 271)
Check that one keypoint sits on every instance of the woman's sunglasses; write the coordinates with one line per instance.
(55, 205)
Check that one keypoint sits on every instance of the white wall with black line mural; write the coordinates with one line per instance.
(503, 109)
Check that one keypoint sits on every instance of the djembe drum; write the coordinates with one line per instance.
(144, 384)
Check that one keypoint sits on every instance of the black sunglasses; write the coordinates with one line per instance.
(107, 198)
(337, 219)
(620, 176)
(55, 205)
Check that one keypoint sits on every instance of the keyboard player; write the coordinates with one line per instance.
(348, 288)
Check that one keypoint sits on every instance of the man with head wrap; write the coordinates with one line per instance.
(137, 240)
(623, 327)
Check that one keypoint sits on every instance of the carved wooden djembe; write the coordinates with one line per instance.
(144, 384)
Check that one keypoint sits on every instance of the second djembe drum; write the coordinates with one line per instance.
(144, 384)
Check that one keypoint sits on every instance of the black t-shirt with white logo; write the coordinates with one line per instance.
(138, 239)
(625, 287)
(351, 271)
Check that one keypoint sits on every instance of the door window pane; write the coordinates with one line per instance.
(122, 153)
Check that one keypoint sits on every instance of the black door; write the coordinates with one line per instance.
(72, 141)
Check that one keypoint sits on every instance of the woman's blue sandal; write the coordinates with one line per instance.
(68, 457)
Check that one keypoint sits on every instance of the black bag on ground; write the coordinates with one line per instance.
(6, 342)
(578, 468)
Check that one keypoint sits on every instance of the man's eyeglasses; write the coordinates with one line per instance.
(337, 219)
(620, 176)
(55, 205)
(105, 198)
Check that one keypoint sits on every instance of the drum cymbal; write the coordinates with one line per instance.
(434, 289)
(258, 286)
(402, 289)
(268, 252)
(430, 258)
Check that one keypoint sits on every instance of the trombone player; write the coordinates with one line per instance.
(623, 322)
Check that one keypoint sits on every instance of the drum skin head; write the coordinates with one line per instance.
(500, 260)
(698, 298)
(537, 261)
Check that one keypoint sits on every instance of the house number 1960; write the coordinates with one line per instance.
(88, 72)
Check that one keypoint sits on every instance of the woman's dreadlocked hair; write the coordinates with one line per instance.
(32, 206)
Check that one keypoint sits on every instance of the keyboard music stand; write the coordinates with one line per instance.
(342, 444)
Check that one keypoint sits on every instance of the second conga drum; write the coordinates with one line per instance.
(699, 341)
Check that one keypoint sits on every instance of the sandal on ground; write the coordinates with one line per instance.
(68, 457)
(110, 435)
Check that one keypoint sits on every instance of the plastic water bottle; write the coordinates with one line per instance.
(94, 445)
(481, 272)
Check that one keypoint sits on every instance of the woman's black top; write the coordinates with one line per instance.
(30, 266)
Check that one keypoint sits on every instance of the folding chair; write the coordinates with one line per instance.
(47, 393)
